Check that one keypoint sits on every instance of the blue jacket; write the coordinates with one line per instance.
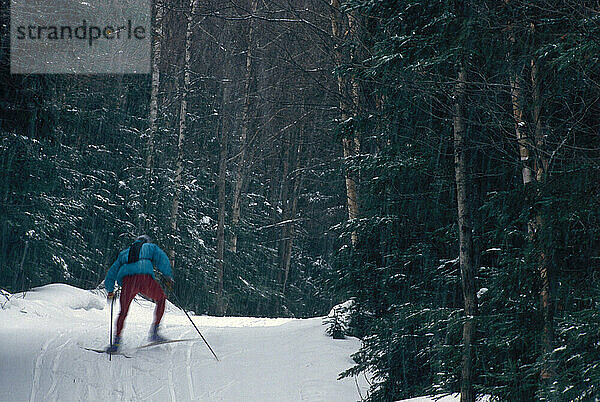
(150, 256)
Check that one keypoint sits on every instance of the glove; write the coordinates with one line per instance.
(110, 295)
(169, 284)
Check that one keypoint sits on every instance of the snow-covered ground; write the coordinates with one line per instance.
(42, 336)
(42, 357)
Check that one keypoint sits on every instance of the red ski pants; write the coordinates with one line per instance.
(147, 286)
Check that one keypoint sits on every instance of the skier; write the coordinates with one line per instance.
(134, 271)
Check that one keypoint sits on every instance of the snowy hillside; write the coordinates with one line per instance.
(42, 358)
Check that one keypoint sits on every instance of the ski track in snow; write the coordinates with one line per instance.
(188, 364)
(170, 376)
(310, 392)
(129, 391)
(51, 395)
(152, 394)
(215, 392)
(37, 369)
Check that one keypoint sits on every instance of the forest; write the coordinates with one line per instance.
(435, 162)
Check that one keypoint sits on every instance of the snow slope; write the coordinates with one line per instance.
(43, 333)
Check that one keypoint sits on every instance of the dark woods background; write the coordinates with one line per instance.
(291, 155)
(87, 163)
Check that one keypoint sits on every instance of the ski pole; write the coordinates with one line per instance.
(112, 303)
(197, 330)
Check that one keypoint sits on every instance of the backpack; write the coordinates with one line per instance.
(134, 251)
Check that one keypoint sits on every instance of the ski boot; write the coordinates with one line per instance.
(114, 348)
(155, 336)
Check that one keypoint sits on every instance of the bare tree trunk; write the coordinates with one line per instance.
(351, 188)
(520, 130)
(465, 235)
(289, 240)
(224, 138)
(534, 166)
(22, 266)
(182, 126)
(351, 146)
(152, 127)
(355, 91)
(240, 172)
(541, 162)
(285, 206)
(540, 167)
(523, 141)
(156, 54)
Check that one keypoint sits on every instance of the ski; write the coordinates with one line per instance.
(141, 347)
(163, 342)
(104, 351)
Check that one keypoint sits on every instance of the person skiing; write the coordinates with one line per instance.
(134, 271)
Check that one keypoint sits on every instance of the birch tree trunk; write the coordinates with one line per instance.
(155, 84)
(152, 126)
(240, 172)
(351, 146)
(182, 127)
(534, 165)
(540, 167)
(520, 130)
(465, 236)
